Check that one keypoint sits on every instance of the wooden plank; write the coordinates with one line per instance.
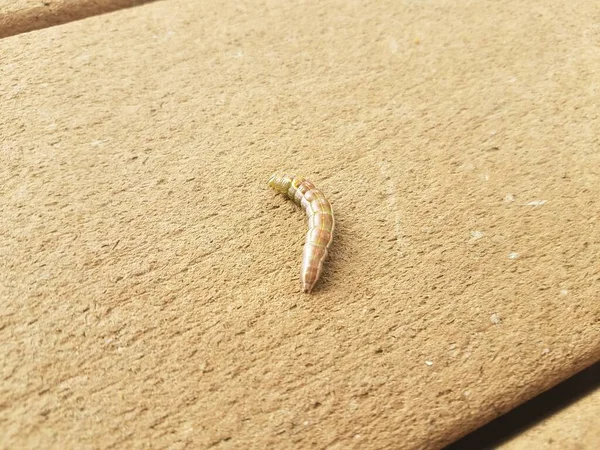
(149, 279)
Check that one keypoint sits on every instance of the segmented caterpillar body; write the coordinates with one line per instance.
(320, 223)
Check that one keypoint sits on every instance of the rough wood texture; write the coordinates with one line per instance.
(20, 16)
(148, 297)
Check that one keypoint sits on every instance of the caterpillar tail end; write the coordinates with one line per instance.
(308, 285)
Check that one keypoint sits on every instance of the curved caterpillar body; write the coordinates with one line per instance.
(320, 223)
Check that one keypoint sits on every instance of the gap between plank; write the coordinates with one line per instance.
(49, 13)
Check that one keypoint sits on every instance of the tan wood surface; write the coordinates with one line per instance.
(149, 280)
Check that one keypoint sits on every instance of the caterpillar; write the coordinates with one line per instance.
(320, 223)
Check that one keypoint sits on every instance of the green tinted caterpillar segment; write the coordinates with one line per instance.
(320, 223)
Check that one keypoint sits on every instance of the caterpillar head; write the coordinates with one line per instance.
(280, 182)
